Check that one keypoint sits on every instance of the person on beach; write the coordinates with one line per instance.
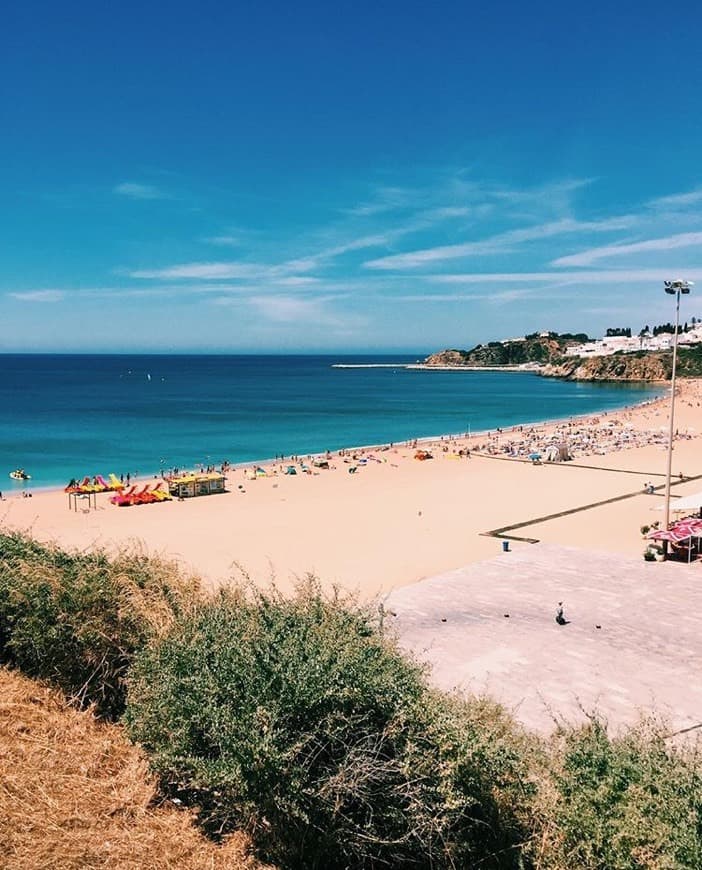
(560, 616)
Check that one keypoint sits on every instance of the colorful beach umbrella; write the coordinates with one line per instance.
(669, 535)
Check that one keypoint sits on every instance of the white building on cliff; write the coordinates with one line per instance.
(614, 344)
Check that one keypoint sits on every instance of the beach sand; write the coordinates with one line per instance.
(395, 520)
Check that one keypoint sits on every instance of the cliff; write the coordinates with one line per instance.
(533, 349)
(619, 367)
(448, 358)
(548, 352)
(639, 366)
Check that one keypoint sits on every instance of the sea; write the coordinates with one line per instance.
(67, 416)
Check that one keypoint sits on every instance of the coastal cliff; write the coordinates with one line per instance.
(548, 353)
(449, 358)
(543, 349)
(639, 366)
(619, 367)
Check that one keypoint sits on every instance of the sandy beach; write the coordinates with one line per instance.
(397, 520)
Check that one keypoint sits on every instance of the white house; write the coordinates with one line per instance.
(614, 344)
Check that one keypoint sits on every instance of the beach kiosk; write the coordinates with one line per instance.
(87, 500)
(191, 485)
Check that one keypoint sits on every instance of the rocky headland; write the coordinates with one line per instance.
(541, 349)
(546, 355)
(618, 367)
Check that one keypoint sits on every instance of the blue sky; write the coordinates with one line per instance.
(344, 177)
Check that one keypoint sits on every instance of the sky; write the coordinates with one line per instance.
(344, 177)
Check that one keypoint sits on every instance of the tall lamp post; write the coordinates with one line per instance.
(674, 288)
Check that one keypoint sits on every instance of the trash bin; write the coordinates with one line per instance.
(505, 546)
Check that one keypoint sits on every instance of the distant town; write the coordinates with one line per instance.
(621, 340)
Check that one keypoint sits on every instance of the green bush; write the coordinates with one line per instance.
(624, 803)
(77, 619)
(296, 720)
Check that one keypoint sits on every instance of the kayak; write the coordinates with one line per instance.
(19, 474)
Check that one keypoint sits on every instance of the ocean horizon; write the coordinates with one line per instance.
(71, 415)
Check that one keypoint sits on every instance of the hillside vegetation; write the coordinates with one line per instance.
(77, 619)
(532, 349)
(298, 725)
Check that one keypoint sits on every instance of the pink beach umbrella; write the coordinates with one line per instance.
(692, 526)
(669, 535)
(677, 534)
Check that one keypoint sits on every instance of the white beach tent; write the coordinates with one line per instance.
(687, 503)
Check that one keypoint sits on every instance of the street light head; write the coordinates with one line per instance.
(677, 286)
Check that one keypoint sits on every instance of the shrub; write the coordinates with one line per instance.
(296, 720)
(624, 804)
(77, 619)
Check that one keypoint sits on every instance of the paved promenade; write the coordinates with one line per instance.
(633, 643)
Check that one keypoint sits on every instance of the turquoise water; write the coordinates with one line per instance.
(68, 416)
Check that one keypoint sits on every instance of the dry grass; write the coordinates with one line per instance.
(75, 793)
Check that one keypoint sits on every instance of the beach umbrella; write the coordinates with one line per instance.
(669, 535)
(685, 530)
(688, 527)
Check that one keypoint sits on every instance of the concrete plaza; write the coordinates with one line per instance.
(633, 643)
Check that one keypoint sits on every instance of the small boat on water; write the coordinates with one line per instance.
(20, 474)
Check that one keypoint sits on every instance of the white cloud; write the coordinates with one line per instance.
(138, 191)
(281, 272)
(302, 264)
(496, 244)
(121, 292)
(224, 241)
(372, 241)
(600, 276)
(297, 281)
(449, 211)
(499, 296)
(39, 296)
(205, 271)
(677, 200)
(668, 243)
(281, 309)
(385, 199)
(553, 192)
(287, 309)
(421, 257)
(497, 277)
